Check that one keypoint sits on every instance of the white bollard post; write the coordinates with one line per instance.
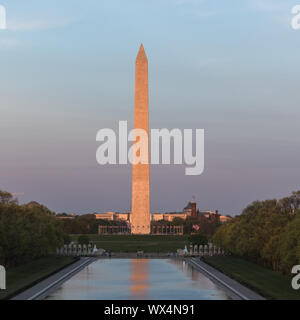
(195, 249)
(201, 250)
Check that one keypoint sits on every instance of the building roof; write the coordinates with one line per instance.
(188, 206)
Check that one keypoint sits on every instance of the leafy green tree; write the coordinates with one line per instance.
(198, 239)
(7, 198)
(290, 244)
(67, 238)
(86, 224)
(26, 233)
(296, 200)
(83, 239)
(266, 232)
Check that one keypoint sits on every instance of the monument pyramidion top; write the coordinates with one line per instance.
(141, 56)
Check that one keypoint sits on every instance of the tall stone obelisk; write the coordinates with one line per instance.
(140, 203)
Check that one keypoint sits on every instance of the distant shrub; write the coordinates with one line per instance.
(198, 239)
(83, 239)
(67, 239)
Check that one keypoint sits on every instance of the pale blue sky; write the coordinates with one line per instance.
(230, 67)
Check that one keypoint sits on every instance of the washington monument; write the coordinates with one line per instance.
(140, 203)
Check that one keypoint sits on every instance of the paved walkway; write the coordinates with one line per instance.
(232, 288)
(47, 286)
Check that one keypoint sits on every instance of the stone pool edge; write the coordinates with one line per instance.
(45, 287)
(230, 286)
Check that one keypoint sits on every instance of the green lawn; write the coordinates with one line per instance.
(133, 243)
(270, 284)
(26, 275)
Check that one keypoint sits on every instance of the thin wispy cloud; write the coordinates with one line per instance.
(279, 12)
(38, 24)
(194, 2)
(195, 7)
(18, 194)
(9, 43)
(269, 6)
(204, 14)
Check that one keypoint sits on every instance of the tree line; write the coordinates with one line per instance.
(27, 232)
(86, 224)
(267, 232)
(199, 225)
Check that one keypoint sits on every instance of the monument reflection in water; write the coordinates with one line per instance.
(138, 279)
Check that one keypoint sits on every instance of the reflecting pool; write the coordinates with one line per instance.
(135, 279)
